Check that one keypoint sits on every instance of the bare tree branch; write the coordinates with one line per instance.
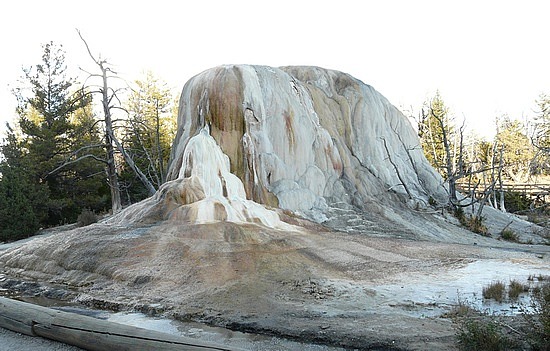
(68, 163)
(87, 47)
(109, 135)
(150, 188)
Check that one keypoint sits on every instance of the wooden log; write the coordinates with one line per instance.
(16, 326)
(20, 316)
(90, 333)
(139, 340)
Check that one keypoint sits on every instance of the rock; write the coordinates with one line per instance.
(297, 138)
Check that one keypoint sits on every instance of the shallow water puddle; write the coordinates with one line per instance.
(246, 341)
(203, 332)
(432, 295)
(200, 331)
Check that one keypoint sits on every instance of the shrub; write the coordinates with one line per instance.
(478, 331)
(474, 335)
(539, 318)
(515, 201)
(494, 291)
(476, 225)
(515, 289)
(461, 310)
(458, 212)
(473, 223)
(509, 235)
(86, 217)
(539, 277)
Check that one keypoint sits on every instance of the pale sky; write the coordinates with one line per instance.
(487, 58)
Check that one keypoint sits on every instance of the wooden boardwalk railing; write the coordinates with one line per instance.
(540, 191)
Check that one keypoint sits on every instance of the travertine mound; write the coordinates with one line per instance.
(304, 134)
(214, 245)
(297, 138)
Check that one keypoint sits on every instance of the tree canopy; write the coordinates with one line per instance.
(54, 121)
(55, 159)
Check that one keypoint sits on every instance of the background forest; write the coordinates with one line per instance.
(79, 150)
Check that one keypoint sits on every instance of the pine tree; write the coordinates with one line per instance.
(443, 144)
(434, 125)
(83, 182)
(517, 149)
(48, 107)
(149, 133)
(22, 205)
(541, 137)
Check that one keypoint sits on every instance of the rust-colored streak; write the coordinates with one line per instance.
(225, 115)
(289, 127)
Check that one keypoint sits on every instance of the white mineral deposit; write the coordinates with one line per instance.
(298, 203)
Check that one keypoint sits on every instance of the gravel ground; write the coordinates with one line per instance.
(11, 341)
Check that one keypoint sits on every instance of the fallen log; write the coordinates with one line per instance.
(90, 333)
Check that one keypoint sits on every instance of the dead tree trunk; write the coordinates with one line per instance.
(449, 169)
(501, 188)
(112, 176)
(107, 96)
(142, 177)
(159, 146)
(493, 175)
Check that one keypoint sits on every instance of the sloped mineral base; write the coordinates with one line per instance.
(351, 290)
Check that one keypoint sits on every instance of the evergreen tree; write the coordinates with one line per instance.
(517, 149)
(89, 189)
(541, 137)
(148, 135)
(82, 182)
(49, 110)
(542, 122)
(22, 206)
(434, 126)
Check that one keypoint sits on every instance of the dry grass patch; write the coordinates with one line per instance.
(515, 289)
(494, 291)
